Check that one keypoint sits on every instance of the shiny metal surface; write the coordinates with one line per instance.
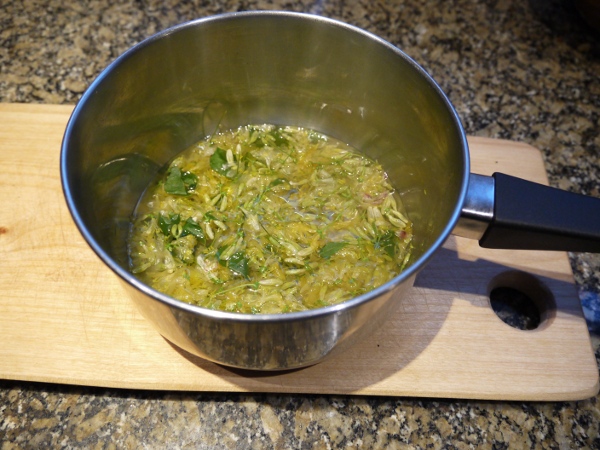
(261, 67)
(478, 208)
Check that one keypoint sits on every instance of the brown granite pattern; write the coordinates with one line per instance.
(48, 416)
(526, 71)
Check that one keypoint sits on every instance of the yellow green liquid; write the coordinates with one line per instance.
(266, 219)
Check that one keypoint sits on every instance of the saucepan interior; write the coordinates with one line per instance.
(252, 68)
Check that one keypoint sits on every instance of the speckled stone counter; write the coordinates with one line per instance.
(527, 71)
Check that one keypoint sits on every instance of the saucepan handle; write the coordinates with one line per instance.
(507, 212)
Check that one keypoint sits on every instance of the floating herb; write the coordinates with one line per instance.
(191, 227)
(166, 223)
(387, 242)
(179, 183)
(219, 163)
(174, 183)
(238, 263)
(209, 216)
(189, 180)
(331, 248)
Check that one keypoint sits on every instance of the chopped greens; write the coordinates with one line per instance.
(266, 219)
(218, 161)
(166, 223)
(223, 162)
(331, 248)
(191, 227)
(387, 242)
(238, 263)
(179, 183)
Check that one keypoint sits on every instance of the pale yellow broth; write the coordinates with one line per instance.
(266, 219)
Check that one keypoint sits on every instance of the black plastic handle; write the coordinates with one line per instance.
(532, 216)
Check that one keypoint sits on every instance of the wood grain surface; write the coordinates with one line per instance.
(65, 317)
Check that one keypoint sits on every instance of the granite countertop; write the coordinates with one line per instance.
(527, 71)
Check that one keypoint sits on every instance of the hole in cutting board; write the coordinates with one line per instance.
(521, 300)
(515, 308)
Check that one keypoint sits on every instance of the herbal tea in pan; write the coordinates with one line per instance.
(267, 219)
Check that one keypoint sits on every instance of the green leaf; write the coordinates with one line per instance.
(179, 183)
(387, 242)
(189, 180)
(209, 216)
(331, 248)
(191, 227)
(218, 162)
(166, 222)
(174, 182)
(218, 254)
(238, 263)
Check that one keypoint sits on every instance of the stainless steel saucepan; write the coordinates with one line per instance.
(184, 83)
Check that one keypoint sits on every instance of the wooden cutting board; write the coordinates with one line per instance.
(65, 318)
